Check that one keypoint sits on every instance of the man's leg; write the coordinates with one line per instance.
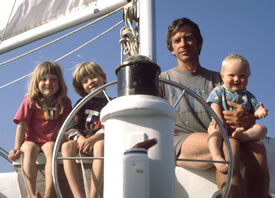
(195, 147)
(256, 177)
(236, 190)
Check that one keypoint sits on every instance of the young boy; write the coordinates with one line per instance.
(235, 72)
(86, 133)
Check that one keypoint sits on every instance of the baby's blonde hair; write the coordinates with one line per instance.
(42, 69)
(83, 70)
(237, 59)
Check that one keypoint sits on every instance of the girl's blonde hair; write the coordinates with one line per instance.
(236, 59)
(83, 70)
(42, 69)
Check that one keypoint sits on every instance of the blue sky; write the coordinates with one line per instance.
(244, 27)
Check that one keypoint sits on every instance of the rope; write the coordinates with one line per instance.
(64, 56)
(129, 37)
(62, 37)
(84, 177)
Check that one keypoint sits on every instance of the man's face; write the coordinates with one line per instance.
(185, 45)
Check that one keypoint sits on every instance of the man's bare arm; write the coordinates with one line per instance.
(238, 118)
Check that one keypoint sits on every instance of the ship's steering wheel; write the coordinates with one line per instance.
(184, 91)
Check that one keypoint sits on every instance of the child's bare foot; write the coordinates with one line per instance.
(240, 134)
(223, 168)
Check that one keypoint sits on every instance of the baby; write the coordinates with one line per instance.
(234, 72)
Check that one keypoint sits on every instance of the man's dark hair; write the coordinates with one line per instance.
(176, 26)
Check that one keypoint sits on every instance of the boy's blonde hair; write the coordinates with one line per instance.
(83, 70)
(236, 59)
(42, 69)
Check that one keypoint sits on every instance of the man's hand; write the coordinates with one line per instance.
(238, 118)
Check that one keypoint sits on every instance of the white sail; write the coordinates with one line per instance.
(24, 21)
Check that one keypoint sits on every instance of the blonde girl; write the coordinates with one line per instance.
(38, 120)
(86, 133)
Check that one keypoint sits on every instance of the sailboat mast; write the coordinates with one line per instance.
(147, 28)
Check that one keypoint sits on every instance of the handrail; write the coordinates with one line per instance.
(4, 154)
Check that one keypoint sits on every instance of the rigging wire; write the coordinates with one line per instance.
(64, 56)
(62, 37)
(88, 42)
(14, 81)
(76, 49)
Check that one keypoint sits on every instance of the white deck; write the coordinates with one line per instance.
(9, 187)
(188, 183)
(193, 183)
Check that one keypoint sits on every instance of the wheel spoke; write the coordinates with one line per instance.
(196, 160)
(177, 102)
(106, 95)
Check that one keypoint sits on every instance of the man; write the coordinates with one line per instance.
(184, 41)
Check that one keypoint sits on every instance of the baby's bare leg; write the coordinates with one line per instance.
(256, 132)
(214, 144)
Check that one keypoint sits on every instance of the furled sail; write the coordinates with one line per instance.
(24, 21)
